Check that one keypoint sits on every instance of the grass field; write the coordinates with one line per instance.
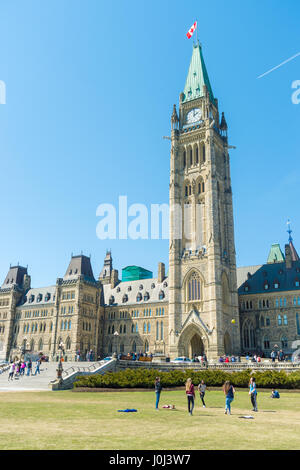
(89, 420)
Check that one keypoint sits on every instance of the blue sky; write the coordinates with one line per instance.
(90, 87)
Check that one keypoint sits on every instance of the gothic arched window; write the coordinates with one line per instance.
(194, 287)
(249, 339)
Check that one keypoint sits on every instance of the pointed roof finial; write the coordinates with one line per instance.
(289, 231)
(294, 254)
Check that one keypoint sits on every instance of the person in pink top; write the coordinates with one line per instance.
(190, 393)
(23, 365)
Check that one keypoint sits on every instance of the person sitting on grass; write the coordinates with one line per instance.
(275, 393)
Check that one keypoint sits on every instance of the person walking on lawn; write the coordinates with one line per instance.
(229, 392)
(253, 393)
(190, 393)
(202, 389)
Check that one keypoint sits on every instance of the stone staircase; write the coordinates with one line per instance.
(47, 379)
(69, 375)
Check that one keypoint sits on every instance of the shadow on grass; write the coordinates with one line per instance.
(267, 411)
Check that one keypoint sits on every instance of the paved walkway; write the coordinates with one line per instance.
(39, 382)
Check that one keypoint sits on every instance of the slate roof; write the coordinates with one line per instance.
(38, 296)
(242, 273)
(80, 266)
(15, 275)
(270, 274)
(133, 288)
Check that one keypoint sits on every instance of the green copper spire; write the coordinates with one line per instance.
(197, 77)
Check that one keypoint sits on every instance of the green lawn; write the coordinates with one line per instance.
(89, 420)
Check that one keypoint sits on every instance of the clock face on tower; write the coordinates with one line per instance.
(194, 115)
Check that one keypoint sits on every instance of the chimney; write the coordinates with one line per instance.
(161, 272)
(26, 282)
(114, 279)
(288, 257)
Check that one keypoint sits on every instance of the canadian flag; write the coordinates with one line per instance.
(191, 30)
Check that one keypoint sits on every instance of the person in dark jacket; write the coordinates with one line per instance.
(158, 389)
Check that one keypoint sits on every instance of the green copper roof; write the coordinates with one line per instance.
(275, 255)
(134, 273)
(197, 77)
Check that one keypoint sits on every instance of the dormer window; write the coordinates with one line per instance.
(141, 287)
(70, 272)
(266, 286)
(161, 295)
(118, 289)
(146, 296)
(129, 288)
(246, 288)
(111, 300)
(165, 284)
(139, 297)
(153, 286)
(125, 298)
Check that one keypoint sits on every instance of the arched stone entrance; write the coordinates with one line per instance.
(192, 342)
(196, 346)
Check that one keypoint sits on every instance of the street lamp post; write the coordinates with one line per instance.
(232, 335)
(116, 335)
(60, 369)
(23, 348)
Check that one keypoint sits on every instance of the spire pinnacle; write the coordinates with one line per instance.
(289, 231)
(197, 77)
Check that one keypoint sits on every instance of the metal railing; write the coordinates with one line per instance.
(212, 366)
(86, 369)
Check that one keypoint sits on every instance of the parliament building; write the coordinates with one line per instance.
(204, 303)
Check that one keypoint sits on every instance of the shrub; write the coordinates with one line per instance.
(144, 378)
